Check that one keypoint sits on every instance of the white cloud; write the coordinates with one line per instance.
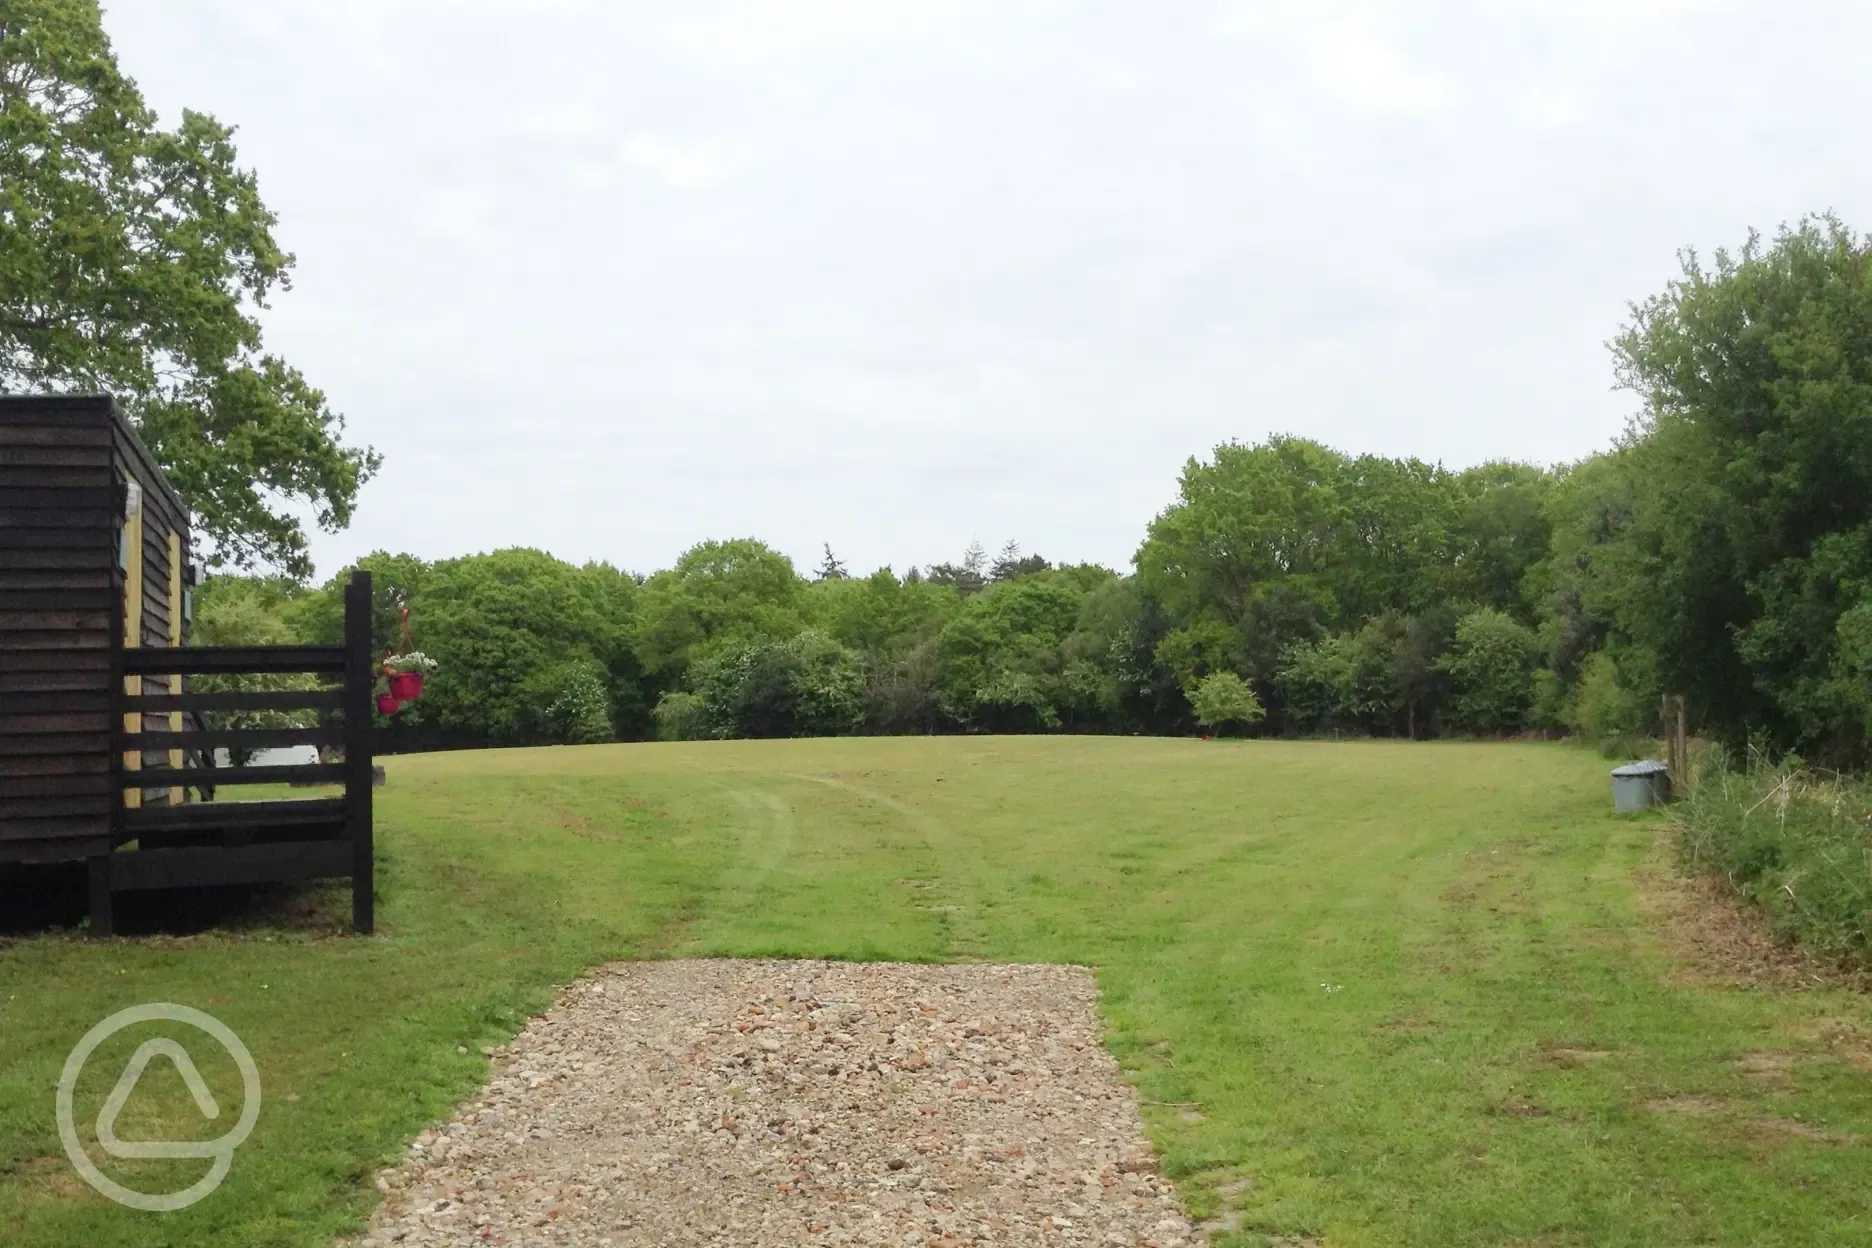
(463, 217)
(1358, 61)
(684, 163)
(613, 276)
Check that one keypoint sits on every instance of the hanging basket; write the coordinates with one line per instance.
(389, 703)
(406, 685)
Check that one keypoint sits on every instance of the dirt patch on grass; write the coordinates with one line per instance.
(1762, 1129)
(1693, 1104)
(1793, 1128)
(1767, 1067)
(1846, 1040)
(1569, 1057)
(1411, 1023)
(49, 1178)
(1715, 939)
(1521, 1109)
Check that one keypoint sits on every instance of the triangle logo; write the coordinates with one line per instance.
(147, 1052)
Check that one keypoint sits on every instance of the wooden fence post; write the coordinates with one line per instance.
(1676, 744)
(359, 677)
(1680, 746)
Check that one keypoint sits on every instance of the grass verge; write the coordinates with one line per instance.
(1794, 842)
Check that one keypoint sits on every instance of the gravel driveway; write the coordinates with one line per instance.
(779, 1103)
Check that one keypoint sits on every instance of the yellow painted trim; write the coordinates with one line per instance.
(133, 636)
(175, 639)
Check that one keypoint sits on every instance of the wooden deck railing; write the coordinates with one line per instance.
(212, 842)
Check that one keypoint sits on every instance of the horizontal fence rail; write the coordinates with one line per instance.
(258, 700)
(233, 660)
(222, 814)
(164, 743)
(239, 864)
(230, 738)
(285, 773)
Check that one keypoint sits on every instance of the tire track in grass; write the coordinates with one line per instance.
(768, 834)
(951, 901)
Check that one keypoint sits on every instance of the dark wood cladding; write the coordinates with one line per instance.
(65, 463)
(59, 589)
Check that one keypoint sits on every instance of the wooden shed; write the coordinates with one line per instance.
(104, 749)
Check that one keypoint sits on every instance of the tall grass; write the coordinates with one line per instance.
(1794, 841)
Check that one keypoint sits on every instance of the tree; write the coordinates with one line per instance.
(1011, 565)
(1604, 710)
(1500, 535)
(802, 686)
(396, 582)
(878, 615)
(831, 568)
(718, 594)
(1344, 681)
(999, 657)
(1286, 542)
(511, 630)
(1747, 535)
(1492, 667)
(967, 577)
(133, 260)
(1417, 671)
(1224, 698)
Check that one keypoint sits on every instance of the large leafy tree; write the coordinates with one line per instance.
(516, 632)
(1747, 550)
(999, 658)
(133, 260)
(531, 648)
(718, 594)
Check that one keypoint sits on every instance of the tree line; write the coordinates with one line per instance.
(1290, 589)
(1721, 549)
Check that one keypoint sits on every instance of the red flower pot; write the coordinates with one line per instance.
(388, 703)
(406, 685)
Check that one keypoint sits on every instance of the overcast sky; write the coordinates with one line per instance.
(611, 278)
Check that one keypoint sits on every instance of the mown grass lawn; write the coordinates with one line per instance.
(1372, 993)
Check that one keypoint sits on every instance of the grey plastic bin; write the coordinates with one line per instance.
(1638, 785)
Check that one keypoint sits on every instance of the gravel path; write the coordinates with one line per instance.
(779, 1103)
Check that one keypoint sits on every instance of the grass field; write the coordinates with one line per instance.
(1372, 993)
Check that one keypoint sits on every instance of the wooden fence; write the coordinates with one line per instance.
(211, 842)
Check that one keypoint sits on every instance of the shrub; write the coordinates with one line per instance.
(807, 685)
(828, 685)
(901, 694)
(1025, 700)
(1604, 711)
(1224, 698)
(581, 714)
(1346, 681)
(681, 717)
(1319, 680)
(1794, 842)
